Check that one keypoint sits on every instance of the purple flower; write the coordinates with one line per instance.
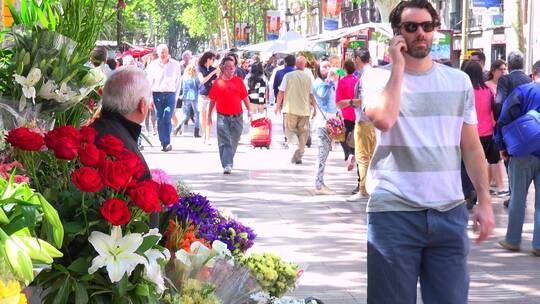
(211, 225)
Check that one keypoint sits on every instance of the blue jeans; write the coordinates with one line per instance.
(186, 107)
(521, 172)
(165, 105)
(229, 129)
(430, 245)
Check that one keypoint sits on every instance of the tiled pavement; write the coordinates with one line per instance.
(324, 233)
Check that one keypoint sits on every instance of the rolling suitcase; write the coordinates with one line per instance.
(261, 133)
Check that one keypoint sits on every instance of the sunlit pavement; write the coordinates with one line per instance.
(325, 234)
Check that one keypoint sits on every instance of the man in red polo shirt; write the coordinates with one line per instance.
(226, 95)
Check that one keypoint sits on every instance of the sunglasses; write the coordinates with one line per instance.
(412, 27)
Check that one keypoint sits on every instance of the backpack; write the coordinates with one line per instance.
(522, 136)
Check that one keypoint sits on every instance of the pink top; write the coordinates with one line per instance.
(483, 99)
(345, 90)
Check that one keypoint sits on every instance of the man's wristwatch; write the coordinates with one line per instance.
(350, 102)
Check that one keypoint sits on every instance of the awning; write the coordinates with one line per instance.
(383, 28)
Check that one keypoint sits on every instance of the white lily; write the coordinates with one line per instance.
(153, 271)
(47, 90)
(64, 93)
(29, 82)
(117, 253)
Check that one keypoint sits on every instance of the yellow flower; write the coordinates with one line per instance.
(10, 293)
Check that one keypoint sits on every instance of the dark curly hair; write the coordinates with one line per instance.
(204, 58)
(395, 15)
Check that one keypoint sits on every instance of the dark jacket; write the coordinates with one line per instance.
(523, 99)
(129, 132)
(279, 78)
(505, 86)
(126, 130)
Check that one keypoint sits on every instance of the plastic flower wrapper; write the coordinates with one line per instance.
(266, 298)
(189, 264)
(234, 283)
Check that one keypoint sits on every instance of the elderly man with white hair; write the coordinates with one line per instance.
(164, 75)
(126, 98)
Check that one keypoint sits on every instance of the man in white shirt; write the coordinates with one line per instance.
(164, 76)
(417, 219)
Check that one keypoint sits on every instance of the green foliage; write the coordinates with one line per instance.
(23, 214)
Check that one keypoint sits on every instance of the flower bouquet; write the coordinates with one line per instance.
(335, 128)
(46, 83)
(197, 219)
(104, 196)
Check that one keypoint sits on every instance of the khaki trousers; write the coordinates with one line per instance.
(297, 131)
(364, 145)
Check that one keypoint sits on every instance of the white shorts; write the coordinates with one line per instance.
(203, 103)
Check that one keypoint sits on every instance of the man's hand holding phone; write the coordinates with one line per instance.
(397, 50)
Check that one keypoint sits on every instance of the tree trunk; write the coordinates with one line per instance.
(211, 41)
(225, 15)
(518, 26)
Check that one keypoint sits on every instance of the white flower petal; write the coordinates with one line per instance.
(153, 231)
(130, 242)
(97, 263)
(29, 92)
(20, 79)
(183, 257)
(101, 242)
(33, 76)
(220, 248)
(130, 261)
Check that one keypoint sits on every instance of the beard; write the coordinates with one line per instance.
(419, 52)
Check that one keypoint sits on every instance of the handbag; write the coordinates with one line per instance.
(522, 136)
(350, 139)
(334, 126)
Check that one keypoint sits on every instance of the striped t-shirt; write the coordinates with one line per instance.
(417, 163)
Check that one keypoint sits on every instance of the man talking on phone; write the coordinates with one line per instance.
(417, 219)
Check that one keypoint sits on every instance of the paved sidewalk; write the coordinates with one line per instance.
(324, 233)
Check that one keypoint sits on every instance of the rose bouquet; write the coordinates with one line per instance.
(104, 195)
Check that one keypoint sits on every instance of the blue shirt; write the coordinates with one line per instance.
(279, 77)
(190, 88)
(523, 99)
(325, 94)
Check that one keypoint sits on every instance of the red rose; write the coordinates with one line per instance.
(111, 145)
(88, 134)
(133, 161)
(25, 139)
(145, 196)
(87, 179)
(65, 141)
(116, 211)
(91, 156)
(115, 174)
(167, 194)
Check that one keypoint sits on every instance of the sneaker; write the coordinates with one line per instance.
(507, 246)
(167, 148)
(227, 170)
(296, 162)
(324, 191)
(357, 197)
(502, 194)
(535, 252)
(351, 161)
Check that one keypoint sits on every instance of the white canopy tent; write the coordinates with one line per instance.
(289, 42)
